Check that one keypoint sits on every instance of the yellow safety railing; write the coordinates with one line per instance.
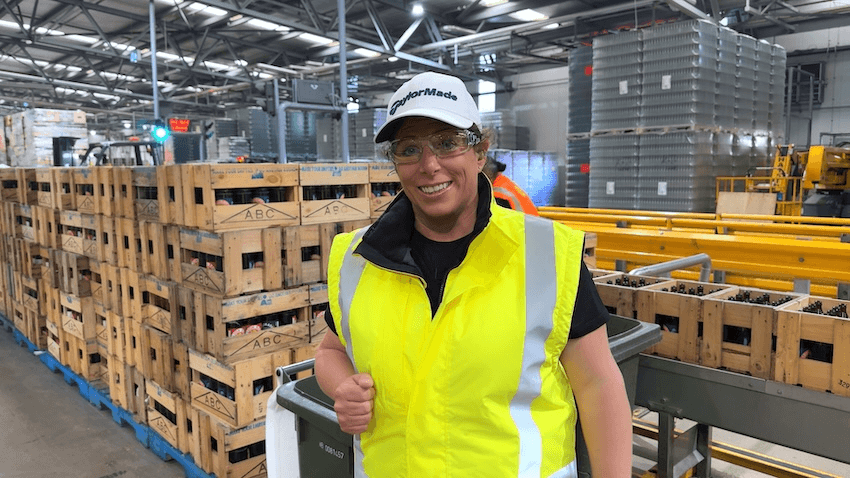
(769, 252)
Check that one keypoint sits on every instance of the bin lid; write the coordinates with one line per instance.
(306, 400)
(628, 337)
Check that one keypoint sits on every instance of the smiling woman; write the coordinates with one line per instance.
(454, 320)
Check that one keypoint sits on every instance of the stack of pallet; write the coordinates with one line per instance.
(31, 136)
(181, 288)
(781, 336)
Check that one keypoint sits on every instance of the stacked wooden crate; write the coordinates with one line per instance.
(30, 135)
(782, 336)
(181, 287)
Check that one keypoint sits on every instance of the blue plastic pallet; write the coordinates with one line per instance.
(99, 397)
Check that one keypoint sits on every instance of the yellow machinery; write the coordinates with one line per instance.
(809, 183)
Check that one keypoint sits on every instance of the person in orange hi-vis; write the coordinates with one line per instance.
(505, 191)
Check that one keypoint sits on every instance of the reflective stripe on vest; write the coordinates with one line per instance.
(349, 275)
(350, 272)
(541, 294)
(516, 205)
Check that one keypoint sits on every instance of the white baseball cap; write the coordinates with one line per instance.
(431, 95)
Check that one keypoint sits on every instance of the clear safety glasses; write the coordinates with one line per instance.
(444, 145)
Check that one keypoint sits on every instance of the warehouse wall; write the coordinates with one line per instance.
(541, 102)
(831, 46)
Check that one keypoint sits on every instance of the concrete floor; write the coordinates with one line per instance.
(49, 430)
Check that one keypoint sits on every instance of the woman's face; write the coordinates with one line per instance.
(444, 191)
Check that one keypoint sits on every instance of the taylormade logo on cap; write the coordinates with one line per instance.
(430, 95)
(426, 91)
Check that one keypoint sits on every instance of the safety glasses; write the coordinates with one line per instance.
(444, 145)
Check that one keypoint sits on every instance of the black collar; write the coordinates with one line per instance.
(387, 242)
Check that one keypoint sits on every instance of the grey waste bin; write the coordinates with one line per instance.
(324, 450)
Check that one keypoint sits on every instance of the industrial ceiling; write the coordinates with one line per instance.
(215, 55)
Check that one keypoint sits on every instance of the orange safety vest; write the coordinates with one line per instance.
(504, 188)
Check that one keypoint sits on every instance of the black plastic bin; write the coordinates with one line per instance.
(325, 450)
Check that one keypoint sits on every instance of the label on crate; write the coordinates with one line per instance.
(609, 188)
(662, 188)
(334, 208)
(214, 401)
(665, 82)
(87, 204)
(164, 427)
(624, 87)
(201, 276)
(148, 208)
(258, 212)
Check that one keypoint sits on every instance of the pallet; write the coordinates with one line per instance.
(215, 323)
(226, 197)
(813, 350)
(620, 299)
(738, 336)
(384, 186)
(679, 314)
(236, 394)
(168, 416)
(334, 193)
(226, 451)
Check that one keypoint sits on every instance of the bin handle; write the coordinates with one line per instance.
(282, 373)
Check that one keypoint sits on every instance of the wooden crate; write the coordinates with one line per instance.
(384, 186)
(318, 307)
(104, 319)
(229, 452)
(128, 245)
(54, 338)
(127, 388)
(78, 233)
(116, 339)
(738, 335)
(119, 287)
(161, 359)
(18, 185)
(619, 298)
(71, 273)
(334, 193)
(233, 330)
(236, 394)
(590, 241)
(157, 305)
(30, 293)
(83, 358)
(62, 187)
(29, 258)
(46, 227)
(161, 246)
(85, 188)
(224, 197)
(32, 325)
(167, 415)
(813, 350)
(78, 317)
(124, 202)
(105, 192)
(146, 195)
(20, 222)
(678, 314)
(306, 253)
(227, 264)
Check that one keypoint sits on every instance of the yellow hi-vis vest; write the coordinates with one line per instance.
(477, 391)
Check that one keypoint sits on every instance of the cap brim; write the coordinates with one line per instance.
(388, 130)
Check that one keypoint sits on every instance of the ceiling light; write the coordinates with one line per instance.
(315, 39)
(417, 9)
(392, 59)
(256, 22)
(529, 15)
(366, 53)
(493, 3)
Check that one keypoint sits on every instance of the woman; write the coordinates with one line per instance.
(462, 330)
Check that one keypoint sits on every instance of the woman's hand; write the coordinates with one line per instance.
(354, 399)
